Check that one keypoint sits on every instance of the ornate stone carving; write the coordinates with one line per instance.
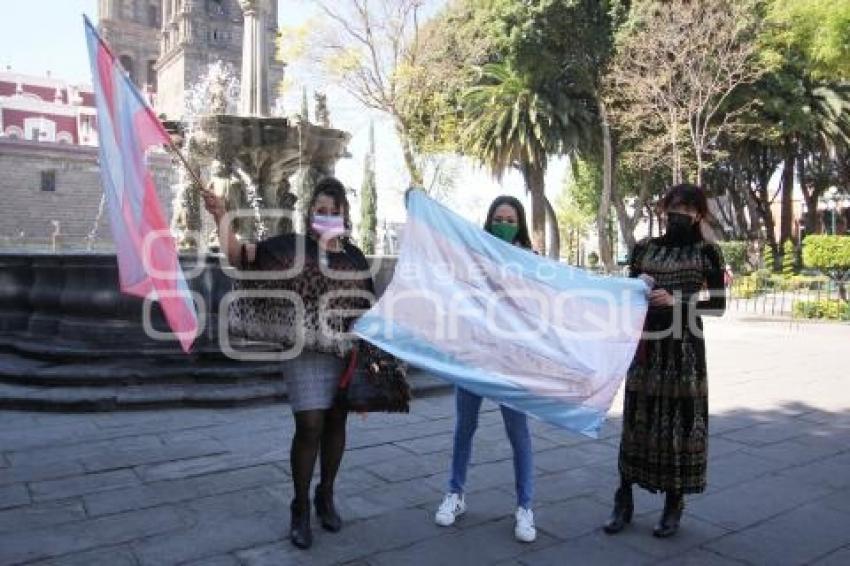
(323, 115)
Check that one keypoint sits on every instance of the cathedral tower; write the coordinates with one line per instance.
(167, 45)
(196, 33)
(132, 29)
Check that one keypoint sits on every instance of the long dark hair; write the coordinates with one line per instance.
(693, 196)
(333, 188)
(522, 237)
(687, 195)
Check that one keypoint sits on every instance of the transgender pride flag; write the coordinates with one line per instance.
(544, 338)
(128, 128)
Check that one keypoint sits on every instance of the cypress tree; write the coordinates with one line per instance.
(369, 200)
(788, 259)
(769, 262)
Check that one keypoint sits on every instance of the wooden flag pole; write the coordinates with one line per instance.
(195, 177)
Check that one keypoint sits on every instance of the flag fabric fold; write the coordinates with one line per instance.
(148, 264)
(536, 335)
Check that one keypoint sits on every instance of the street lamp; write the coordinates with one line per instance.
(832, 204)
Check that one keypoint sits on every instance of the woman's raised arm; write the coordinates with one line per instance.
(238, 254)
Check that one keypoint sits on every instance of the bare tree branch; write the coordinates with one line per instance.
(675, 70)
(368, 43)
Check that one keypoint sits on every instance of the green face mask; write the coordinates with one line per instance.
(504, 231)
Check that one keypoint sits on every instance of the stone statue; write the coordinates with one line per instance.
(220, 83)
(323, 115)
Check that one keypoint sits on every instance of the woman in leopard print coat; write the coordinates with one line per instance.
(326, 284)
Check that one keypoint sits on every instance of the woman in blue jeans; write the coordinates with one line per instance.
(505, 220)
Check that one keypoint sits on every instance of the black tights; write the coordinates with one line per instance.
(316, 429)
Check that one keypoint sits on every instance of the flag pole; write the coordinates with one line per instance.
(172, 147)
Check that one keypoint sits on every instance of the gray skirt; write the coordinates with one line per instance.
(312, 380)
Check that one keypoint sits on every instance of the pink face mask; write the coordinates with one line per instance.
(328, 226)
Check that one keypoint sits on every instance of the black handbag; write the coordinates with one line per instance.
(373, 381)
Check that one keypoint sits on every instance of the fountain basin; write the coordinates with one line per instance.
(70, 340)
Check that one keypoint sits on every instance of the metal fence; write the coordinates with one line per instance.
(809, 298)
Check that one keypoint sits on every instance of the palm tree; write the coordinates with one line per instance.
(811, 118)
(512, 123)
(824, 143)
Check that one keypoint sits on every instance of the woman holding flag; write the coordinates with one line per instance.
(331, 265)
(506, 221)
(665, 416)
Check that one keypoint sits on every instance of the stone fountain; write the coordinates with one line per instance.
(250, 156)
(70, 340)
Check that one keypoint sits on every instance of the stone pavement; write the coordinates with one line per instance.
(211, 487)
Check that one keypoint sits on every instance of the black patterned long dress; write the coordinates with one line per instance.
(665, 415)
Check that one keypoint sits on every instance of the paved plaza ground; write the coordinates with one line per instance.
(211, 487)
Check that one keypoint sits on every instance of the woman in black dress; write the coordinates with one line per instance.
(665, 415)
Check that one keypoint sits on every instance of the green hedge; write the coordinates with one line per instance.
(825, 309)
(735, 254)
(762, 281)
(829, 254)
(806, 282)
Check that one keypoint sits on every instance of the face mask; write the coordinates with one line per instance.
(328, 226)
(679, 225)
(504, 231)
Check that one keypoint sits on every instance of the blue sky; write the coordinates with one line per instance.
(37, 36)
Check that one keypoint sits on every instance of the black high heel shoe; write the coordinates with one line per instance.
(326, 510)
(668, 525)
(299, 527)
(624, 508)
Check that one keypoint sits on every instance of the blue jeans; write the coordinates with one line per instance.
(516, 425)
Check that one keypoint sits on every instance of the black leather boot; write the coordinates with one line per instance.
(326, 510)
(299, 529)
(624, 508)
(674, 504)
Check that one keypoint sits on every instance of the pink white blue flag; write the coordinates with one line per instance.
(128, 128)
(528, 332)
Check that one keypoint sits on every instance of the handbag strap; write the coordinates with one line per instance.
(345, 379)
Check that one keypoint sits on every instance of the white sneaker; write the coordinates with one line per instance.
(452, 507)
(524, 530)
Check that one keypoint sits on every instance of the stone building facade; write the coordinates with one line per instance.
(52, 192)
(49, 175)
(46, 109)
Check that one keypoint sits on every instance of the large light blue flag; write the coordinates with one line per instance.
(536, 335)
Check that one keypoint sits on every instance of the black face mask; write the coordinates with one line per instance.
(680, 226)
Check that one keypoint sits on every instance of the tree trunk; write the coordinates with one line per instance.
(603, 214)
(534, 184)
(761, 199)
(725, 216)
(627, 223)
(786, 217)
(752, 210)
(812, 217)
(763, 203)
(553, 246)
(699, 167)
(413, 169)
(810, 197)
(651, 217)
(743, 226)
